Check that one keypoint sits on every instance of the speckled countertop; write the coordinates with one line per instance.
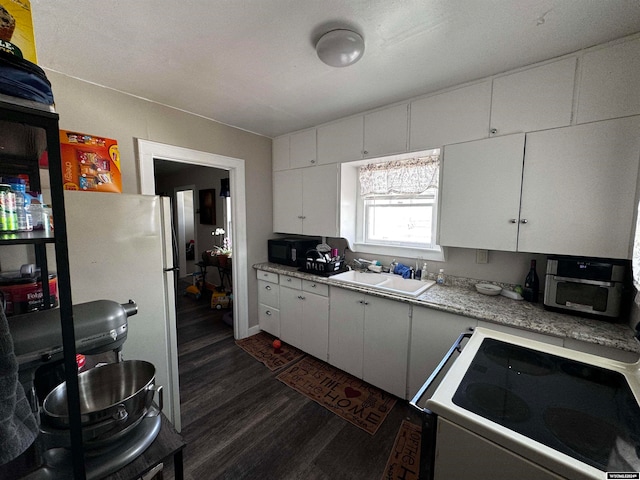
(460, 297)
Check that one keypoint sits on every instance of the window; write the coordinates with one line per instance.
(397, 202)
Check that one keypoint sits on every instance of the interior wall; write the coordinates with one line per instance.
(202, 178)
(91, 109)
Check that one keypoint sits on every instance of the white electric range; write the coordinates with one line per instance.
(512, 406)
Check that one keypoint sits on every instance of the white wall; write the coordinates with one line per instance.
(91, 109)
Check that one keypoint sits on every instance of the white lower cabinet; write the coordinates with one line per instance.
(346, 330)
(369, 338)
(432, 334)
(304, 315)
(386, 344)
(268, 302)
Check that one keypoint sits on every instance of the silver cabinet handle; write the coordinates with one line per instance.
(268, 287)
(313, 161)
(513, 220)
(493, 131)
(301, 297)
(360, 302)
(524, 220)
(366, 303)
(288, 279)
(313, 286)
(364, 152)
(300, 217)
(268, 312)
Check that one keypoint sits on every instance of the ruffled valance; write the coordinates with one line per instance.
(413, 176)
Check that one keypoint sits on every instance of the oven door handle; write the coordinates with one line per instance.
(583, 281)
(455, 347)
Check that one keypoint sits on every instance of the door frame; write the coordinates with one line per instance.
(182, 255)
(149, 150)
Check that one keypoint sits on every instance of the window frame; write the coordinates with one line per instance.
(353, 211)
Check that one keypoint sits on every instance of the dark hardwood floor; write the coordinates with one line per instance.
(239, 422)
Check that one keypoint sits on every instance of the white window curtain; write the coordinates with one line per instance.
(413, 176)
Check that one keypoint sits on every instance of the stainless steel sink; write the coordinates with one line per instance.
(385, 282)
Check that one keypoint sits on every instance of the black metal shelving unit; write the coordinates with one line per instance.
(40, 118)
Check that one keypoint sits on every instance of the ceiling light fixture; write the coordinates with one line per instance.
(340, 48)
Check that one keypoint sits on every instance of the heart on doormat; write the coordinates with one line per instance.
(352, 392)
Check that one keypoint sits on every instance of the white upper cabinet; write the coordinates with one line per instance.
(302, 149)
(385, 131)
(287, 201)
(456, 116)
(535, 99)
(480, 193)
(579, 189)
(341, 141)
(280, 153)
(610, 83)
(294, 151)
(305, 201)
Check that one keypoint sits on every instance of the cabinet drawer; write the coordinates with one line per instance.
(290, 282)
(268, 294)
(267, 276)
(314, 287)
(269, 319)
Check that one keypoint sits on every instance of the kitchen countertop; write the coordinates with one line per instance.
(460, 297)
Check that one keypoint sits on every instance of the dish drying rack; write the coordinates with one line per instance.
(322, 264)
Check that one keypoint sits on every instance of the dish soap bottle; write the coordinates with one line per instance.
(440, 278)
(531, 284)
(424, 276)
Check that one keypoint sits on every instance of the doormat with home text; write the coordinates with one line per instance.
(260, 347)
(356, 401)
(404, 459)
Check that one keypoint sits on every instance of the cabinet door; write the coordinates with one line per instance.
(290, 316)
(269, 319)
(385, 131)
(341, 141)
(314, 325)
(268, 293)
(320, 200)
(346, 330)
(457, 116)
(386, 344)
(432, 334)
(280, 152)
(610, 83)
(534, 99)
(480, 193)
(287, 201)
(579, 189)
(302, 149)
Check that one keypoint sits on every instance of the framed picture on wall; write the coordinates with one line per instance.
(207, 199)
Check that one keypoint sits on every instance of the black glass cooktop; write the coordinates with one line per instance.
(583, 411)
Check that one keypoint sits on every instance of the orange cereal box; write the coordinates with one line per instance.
(90, 163)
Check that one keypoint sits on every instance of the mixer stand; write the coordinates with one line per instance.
(100, 461)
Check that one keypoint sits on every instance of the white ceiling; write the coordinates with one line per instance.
(252, 63)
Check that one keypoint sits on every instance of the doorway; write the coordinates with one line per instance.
(148, 151)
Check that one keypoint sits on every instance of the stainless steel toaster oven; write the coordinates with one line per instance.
(585, 285)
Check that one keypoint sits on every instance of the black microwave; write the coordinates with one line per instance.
(291, 251)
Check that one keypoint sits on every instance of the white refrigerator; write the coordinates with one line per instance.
(120, 248)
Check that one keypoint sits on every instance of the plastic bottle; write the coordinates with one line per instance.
(23, 214)
(424, 275)
(440, 278)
